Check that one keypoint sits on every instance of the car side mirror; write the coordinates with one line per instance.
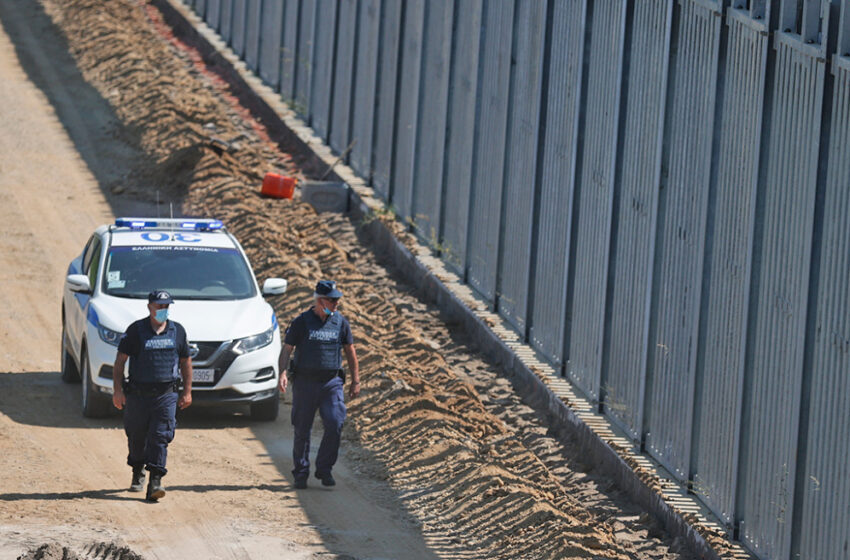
(78, 283)
(274, 286)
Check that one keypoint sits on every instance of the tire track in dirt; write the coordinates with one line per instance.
(473, 464)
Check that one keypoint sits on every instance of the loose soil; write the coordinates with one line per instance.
(105, 112)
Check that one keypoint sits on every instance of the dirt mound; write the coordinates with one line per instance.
(96, 551)
(49, 552)
(475, 467)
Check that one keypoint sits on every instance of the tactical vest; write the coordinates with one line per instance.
(157, 359)
(320, 350)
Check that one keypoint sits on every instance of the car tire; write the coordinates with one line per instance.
(70, 373)
(95, 405)
(266, 410)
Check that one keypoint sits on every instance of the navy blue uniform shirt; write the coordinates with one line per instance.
(154, 358)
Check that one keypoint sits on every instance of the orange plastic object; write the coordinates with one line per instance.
(278, 186)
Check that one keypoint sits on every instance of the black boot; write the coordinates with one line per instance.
(326, 478)
(155, 489)
(138, 482)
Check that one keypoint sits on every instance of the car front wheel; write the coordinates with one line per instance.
(70, 374)
(266, 410)
(95, 405)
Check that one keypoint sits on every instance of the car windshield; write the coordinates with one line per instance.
(186, 272)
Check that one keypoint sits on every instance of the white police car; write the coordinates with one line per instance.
(233, 332)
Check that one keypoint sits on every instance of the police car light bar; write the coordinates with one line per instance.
(178, 223)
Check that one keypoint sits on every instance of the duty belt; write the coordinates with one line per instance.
(151, 389)
(320, 375)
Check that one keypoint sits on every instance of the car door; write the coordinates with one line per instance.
(76, 315)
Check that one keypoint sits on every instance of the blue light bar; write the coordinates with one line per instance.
(134, 223)
(202, 225)
(184, 224)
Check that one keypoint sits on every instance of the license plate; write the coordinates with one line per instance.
(203, 374)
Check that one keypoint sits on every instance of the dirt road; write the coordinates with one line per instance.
(105, 113)
(63, 477)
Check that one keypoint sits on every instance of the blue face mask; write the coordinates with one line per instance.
(327, 311)
(161, 315)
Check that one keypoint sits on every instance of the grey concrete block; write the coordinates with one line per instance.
(326, 196)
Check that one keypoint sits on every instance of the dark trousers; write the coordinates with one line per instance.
(307, 397)
(149, 423)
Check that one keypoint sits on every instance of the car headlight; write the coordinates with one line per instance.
(109, 336)
(251, 343)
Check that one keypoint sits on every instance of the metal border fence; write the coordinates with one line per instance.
(655, 194)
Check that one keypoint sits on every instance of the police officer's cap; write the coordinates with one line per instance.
(159, 296)
(327, 288)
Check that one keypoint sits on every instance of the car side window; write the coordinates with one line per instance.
(88, 251)
(94, 262)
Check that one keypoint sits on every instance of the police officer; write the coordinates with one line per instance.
(317, 336)
(155, 347)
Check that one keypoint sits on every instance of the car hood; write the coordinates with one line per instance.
(203, 320)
